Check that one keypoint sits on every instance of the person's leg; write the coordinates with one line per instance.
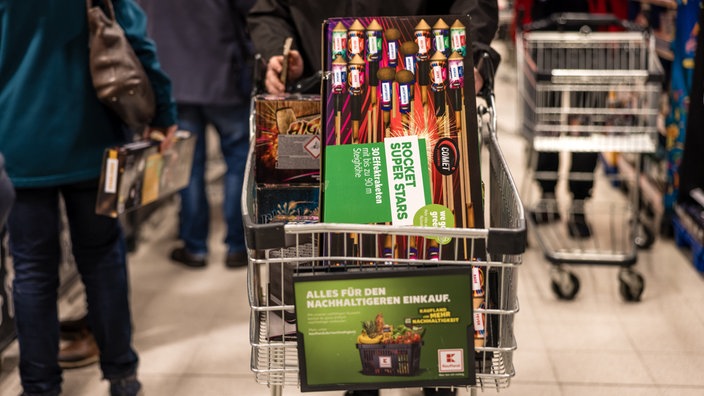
(33, 227)
(232, 124)
(582, 167)
(548, 163)
(99, 250)
(195, 211)
(546, 175)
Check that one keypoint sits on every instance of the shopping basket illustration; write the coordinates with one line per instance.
(587, 88)
(390, 359)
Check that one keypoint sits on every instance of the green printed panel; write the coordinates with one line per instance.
(388, 329)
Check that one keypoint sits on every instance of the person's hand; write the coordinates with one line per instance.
(272, 83)
(478, 81)
(166, 135)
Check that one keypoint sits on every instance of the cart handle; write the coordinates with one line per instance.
(570, 20)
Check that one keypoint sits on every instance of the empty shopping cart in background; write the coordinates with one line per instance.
(588, 84)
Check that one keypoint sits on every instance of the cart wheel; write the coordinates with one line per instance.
(631, 285)
(645, 237)
(565, 284)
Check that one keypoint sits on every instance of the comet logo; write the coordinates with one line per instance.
(446, 156)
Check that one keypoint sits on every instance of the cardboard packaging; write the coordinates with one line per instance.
(137, 174)
(407, 78)
(288, 144)
(297, 203)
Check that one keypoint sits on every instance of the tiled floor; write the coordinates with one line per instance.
(191, 327)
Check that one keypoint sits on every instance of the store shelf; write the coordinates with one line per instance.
(689, 235)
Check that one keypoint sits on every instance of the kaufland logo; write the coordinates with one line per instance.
(385, 362)
(450, 361)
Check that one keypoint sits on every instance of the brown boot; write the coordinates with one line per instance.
(79, 352)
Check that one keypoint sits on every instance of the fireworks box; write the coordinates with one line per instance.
(288, 144)
(401, 142)
(288, 203)
(138, 173)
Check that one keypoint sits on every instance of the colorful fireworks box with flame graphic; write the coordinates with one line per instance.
(288, 143)
(399, 122)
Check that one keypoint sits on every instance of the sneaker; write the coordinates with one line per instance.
(128, 386)
(80, 351)
(236, 260)
(188, 259)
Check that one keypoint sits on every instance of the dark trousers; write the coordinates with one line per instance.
(581, 163)
(99, 250)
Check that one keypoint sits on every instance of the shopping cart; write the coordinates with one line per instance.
(583, 91)
(277, 251)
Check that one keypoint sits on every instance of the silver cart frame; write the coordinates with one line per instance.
(276, 249)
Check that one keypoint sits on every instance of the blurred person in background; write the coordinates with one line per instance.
(205, 49)
(53, 132)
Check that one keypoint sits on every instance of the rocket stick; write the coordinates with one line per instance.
(409, 49)
(374, 48)
(355, 54)
(387, 76)
(339, 41)
(339, 83)
(441, 37)
(458, 44)
(422, 39)
(392, 37)
(458, 38)
(456, 77)
(355, 40)
(405, 79)
(355, 79)
(438, 77)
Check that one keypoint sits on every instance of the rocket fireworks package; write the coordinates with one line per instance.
(288, 138)
(397, 78)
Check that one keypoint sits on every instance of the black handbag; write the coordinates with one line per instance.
(118, 76)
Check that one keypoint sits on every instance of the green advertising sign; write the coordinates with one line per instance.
(376, 182)
(385, 329)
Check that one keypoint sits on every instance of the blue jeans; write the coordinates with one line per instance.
(99, 251)
(232, 124)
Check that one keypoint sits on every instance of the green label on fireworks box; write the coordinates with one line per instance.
(377, 182)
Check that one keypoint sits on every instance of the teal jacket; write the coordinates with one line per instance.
(53, 129)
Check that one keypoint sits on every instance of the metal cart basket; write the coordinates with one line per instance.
(277, 250)
(590, 90)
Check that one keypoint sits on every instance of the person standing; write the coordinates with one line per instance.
(205, 49)
(53, 132)
(270, 21)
